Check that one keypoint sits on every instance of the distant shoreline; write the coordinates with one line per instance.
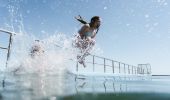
(160, 75)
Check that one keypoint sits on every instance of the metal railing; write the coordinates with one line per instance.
(9, 44)
(117, 67)
(144, 68)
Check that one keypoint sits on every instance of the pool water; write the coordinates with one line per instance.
(69, 87)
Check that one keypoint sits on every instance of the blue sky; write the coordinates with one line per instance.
(132, 31)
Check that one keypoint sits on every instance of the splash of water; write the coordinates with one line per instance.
(58, 52)
(53, 59)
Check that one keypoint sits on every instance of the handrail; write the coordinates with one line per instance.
(9, 44)
(8, 32)
(3, 48)
(122, 67)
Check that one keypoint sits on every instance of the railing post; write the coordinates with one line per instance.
(9, 49)
(146, 69)
(150, 69)
(135, 70)
(128, 70)
(113, 65)
(141, 70)
(132, 69)
(77, 66)
(124, 69)
(93, 63)
(119, 67)
(104, 65)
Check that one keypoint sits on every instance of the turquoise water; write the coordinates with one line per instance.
(69, 87)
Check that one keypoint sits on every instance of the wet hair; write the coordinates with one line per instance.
(80, 19)
(93, 19)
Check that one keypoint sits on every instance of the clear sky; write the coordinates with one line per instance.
(132, 31)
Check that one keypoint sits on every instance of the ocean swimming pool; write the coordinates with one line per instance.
(69, 87)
